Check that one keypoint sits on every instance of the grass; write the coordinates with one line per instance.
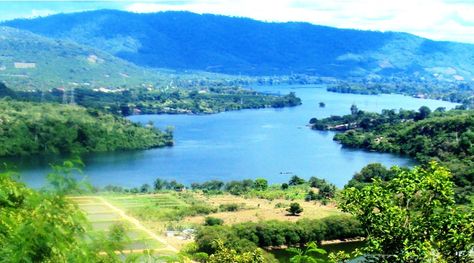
(102, 218)
(257, 209)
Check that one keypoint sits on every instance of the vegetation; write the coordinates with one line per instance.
(34, 128)
(43, 226)
(226, 255)
(242, 45)
(294, 209)
(126, 101)
(412, 217)
(306, 255)
(448, 91)
(247, 236)
(443, 136)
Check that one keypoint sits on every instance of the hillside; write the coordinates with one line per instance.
(29, 61)
(446, 137)
(183, 40)
(45, 128)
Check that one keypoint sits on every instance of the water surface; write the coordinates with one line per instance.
(270, 143)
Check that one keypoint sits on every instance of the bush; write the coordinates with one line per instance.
(295, 209)
(230, 207)
(213, 221)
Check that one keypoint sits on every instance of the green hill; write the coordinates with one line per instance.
(29, 61)
(41, 128)
(183, 40)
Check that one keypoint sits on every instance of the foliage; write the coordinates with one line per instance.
(433, 89)
(246, 236)
(33, 128)
(213, 221)
(369, 173)
(413, 217)
(260, 184)
(443, 136)
(307, 255)
(296, 180)
(43, 226)
(226, 255)
(294, 209)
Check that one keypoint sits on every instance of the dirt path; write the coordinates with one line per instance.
(136, 224)
(100, 201)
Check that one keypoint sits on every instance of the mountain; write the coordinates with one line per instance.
(29, 61)
(183, 40)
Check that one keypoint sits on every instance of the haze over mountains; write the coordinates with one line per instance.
(188, 41)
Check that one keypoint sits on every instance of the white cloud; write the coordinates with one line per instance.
(436, 19)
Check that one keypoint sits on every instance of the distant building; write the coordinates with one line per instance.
(24, 65)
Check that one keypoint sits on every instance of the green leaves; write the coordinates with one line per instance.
(412, 217)
(308, 254)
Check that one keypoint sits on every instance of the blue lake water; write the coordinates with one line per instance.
(270, 143)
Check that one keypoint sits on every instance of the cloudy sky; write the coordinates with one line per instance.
(435, 19)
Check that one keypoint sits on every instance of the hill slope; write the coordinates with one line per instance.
(29, 61)
(183, 40)
(43, 128)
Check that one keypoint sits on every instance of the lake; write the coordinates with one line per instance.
(270, 143)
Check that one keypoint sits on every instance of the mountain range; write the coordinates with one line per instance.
(233, 45)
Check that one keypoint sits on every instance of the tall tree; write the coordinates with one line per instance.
(413, 217)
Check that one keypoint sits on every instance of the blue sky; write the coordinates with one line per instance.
(435, 19)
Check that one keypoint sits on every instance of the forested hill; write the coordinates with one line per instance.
(447, 137)
(42, 128)
(183, 40)
(30, 61)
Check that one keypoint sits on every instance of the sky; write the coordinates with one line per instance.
(451, 20)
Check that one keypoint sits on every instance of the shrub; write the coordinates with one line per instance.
(213, 221)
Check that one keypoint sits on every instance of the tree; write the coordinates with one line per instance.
(44, 226)
(145, 188)
(296, 180)
(369, 173)
(213, 221)
(227, 255)
(307, 255)
(413, 217)
(294, 209)
(284, 186)
(260, 184)
(159, 184)
(423, 112)
(354, 110)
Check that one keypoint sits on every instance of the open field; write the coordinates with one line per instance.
(103, 215)
(255, 210)
(150, 217)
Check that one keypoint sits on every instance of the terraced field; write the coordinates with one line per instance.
(104, 213)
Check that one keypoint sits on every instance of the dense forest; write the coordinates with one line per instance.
(41, 128)
(444, 136)
(155, 101)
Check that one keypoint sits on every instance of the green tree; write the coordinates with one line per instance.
(308, 254)
(227, 255)
(159, 184)
(423, 113)
(213, 221)
(413, 217)
(44, 226)
(295, 209)
(296, 180)
(354, 110)
(260, 184)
